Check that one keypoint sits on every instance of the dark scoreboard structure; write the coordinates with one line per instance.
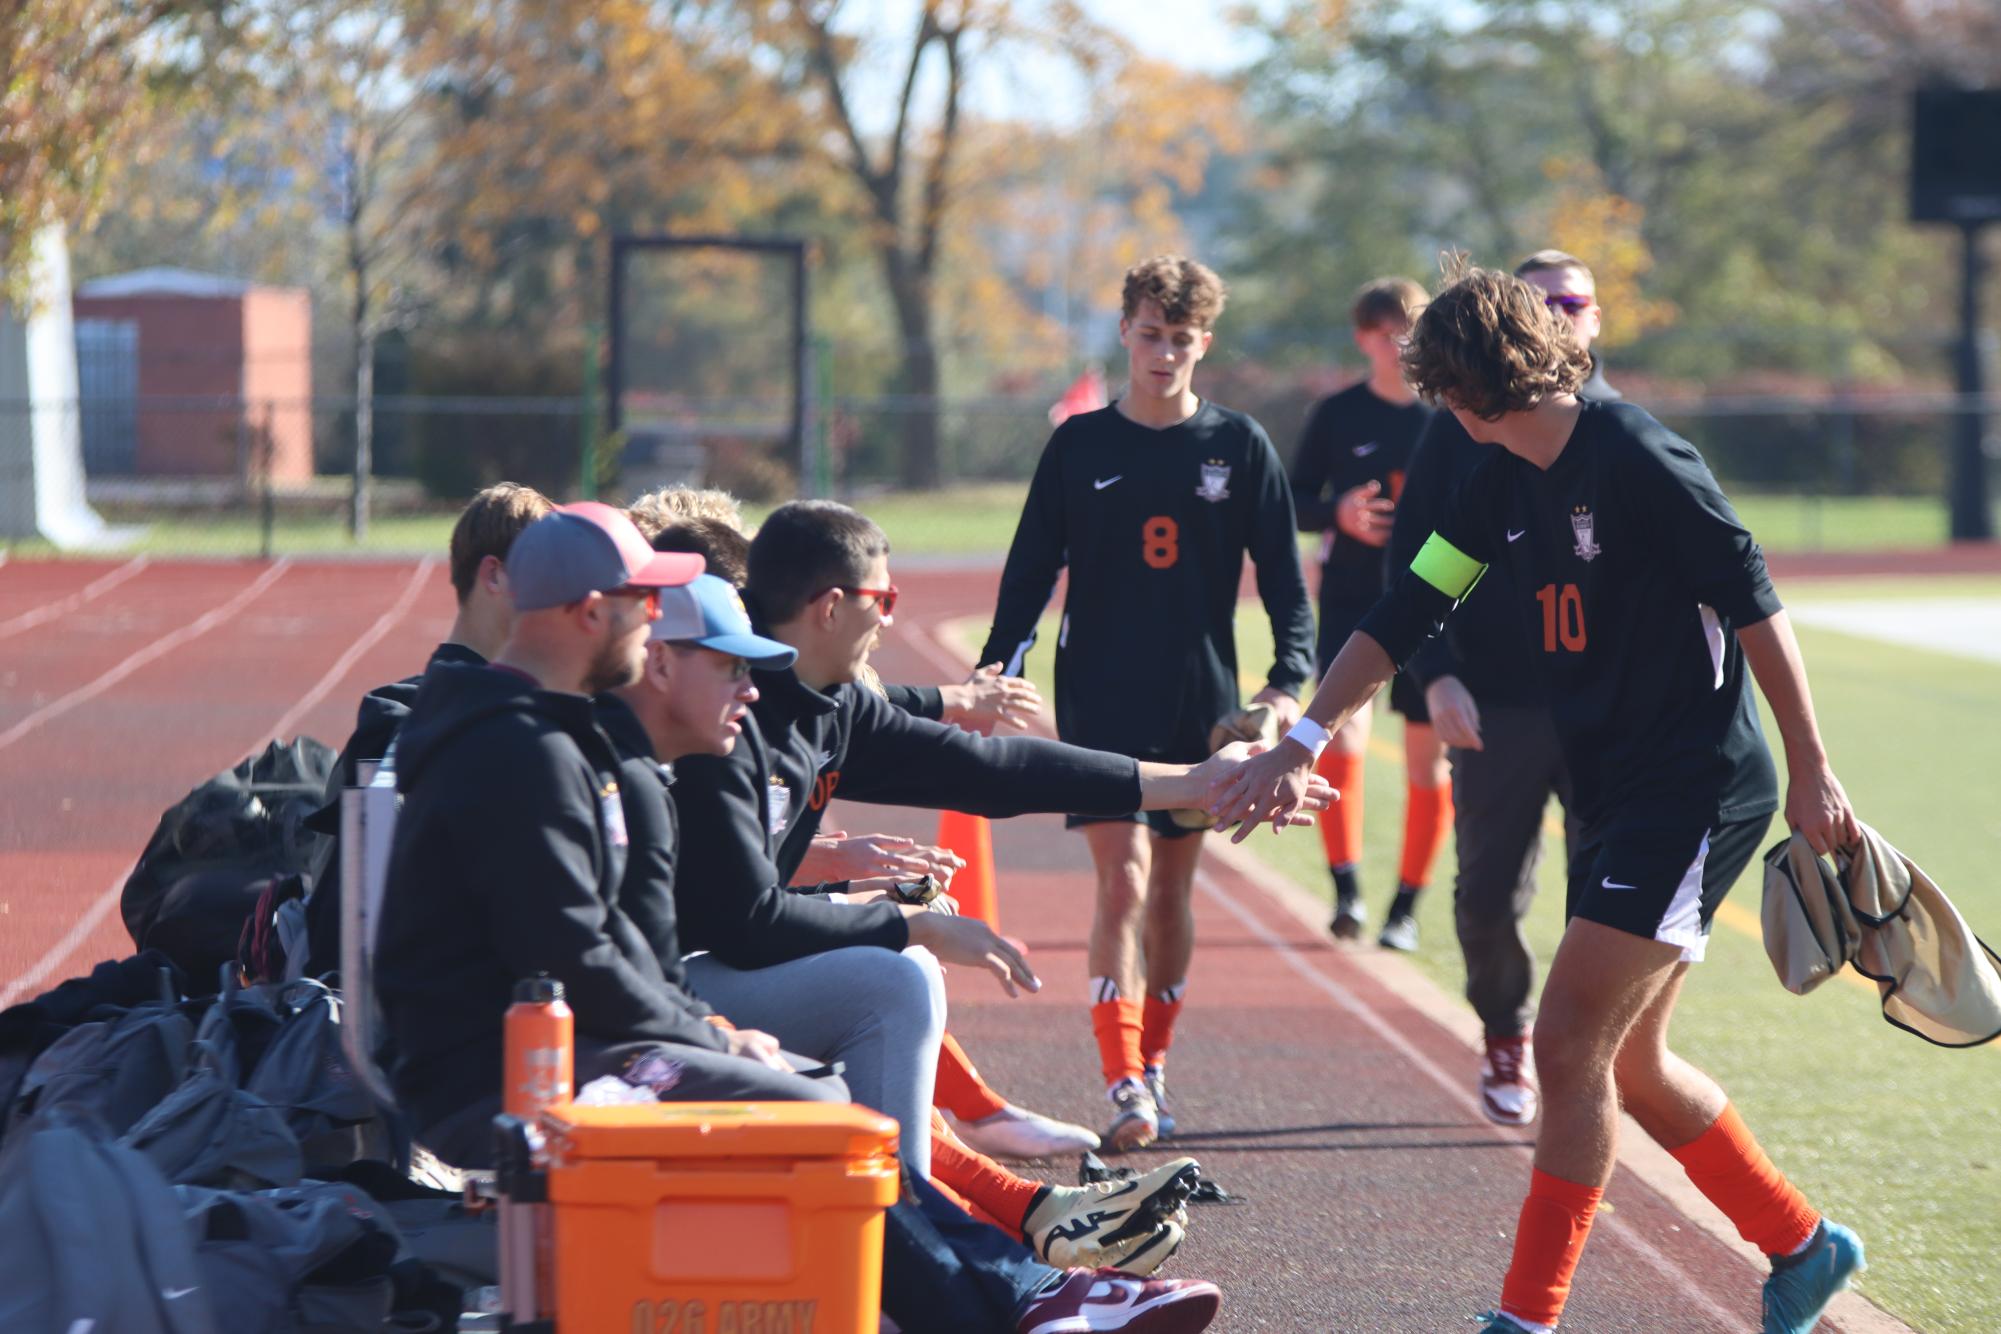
(1956, 179)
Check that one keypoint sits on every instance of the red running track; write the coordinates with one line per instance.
(115, 705)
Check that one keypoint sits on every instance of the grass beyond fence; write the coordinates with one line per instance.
(963, 521)
(1881, 1129)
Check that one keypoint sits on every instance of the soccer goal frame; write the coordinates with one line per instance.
(625, 244)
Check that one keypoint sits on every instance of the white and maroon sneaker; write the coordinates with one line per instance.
(1089, 1301)
(1508, 1094)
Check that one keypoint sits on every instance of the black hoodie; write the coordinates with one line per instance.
(507, 862)
(382, 711)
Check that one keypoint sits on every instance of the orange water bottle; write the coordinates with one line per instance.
(541, 1048)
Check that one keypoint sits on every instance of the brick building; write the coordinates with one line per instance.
(188, 374)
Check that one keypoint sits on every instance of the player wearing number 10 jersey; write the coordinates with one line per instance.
(1152, 504)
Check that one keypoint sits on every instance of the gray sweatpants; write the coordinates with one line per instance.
(881, 1012)
(1499, 795)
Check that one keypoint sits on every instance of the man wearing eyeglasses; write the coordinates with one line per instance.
(1481, 688)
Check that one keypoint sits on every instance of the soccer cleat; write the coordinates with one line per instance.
(1507, 1096)
(1156, 1088)
(1350, 916)
(1498, 1323)
(1015, 1132)
(1136, 1123)
(1088, 1301)
(1802, 1285)
(1399, 933)
(1114, 1224)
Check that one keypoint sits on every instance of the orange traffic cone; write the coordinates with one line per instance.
(972, 838)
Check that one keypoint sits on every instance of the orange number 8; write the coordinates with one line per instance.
(1160, 542)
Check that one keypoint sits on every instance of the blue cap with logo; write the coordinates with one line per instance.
(707, 611)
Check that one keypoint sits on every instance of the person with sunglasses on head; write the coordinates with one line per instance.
(1651, 612)
(1487, 704)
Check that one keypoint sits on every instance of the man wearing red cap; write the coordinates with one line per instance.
(512, 844)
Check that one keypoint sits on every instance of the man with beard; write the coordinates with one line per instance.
(512, 845)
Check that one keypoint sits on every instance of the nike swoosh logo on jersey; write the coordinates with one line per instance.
(1105, 482)
(1517, 533)
(1609, 883)
(1363, 451)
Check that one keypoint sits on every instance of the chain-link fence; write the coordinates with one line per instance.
(230, 477)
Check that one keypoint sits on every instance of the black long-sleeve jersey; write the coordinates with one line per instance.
(1631, 573)
(1154, 526)
(1351, 439)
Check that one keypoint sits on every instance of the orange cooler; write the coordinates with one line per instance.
(719, 1218)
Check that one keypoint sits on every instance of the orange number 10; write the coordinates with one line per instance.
(1562, 617)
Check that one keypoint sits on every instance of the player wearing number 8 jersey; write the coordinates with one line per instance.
(1152, 504)
(1646, 601)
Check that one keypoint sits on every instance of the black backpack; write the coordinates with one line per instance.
(213, 852)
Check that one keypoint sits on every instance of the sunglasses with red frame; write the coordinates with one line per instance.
(884, 597)
(650, 596)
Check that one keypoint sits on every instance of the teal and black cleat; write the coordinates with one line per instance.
(1802, 1285)
(1499, 1324)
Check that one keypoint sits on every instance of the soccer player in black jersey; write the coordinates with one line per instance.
(1646, 600)
(1151, 504)
(1347, 477)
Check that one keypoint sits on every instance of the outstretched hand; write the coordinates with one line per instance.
(988, 700)
(1277, 786)
(1253, 786)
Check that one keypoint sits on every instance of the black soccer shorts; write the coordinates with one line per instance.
(1661, 883)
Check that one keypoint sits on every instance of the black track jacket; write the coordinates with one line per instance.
(747, 818)
(508, 861)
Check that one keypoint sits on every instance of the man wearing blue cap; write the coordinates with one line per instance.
(513, 845)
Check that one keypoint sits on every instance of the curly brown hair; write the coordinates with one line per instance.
(1489, 346)
(1187, 291)
(670, 505)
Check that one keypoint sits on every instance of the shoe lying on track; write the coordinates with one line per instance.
(1400, 934)
(1014, 1132)
(1350, 916)
(1090, 1301)
(1132, 1225)
(1802, 1285)
(1507, 1095)
(1156, 1088)
(1135, 1120)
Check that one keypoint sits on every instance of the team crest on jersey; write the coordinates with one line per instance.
(1215, 481)
(1582, 524)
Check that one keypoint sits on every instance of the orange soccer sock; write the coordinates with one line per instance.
(1728, 1167)
(1117, 1022)
(1341, 827)
(1555, 1220)
(1427, 814)
(971, 1208)
(1156, 1034)
(995, 1193)
(959, 1089)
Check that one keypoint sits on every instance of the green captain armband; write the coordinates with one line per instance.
(1446, 568)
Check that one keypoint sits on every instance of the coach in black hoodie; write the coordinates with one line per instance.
(512, 844)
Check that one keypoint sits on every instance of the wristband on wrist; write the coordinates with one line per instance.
(1310, 735)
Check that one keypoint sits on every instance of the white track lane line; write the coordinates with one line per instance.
(159, 648)
(28, 620)
(943, 658)
(22, 986)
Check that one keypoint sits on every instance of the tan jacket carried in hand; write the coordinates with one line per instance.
(1876, 909)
